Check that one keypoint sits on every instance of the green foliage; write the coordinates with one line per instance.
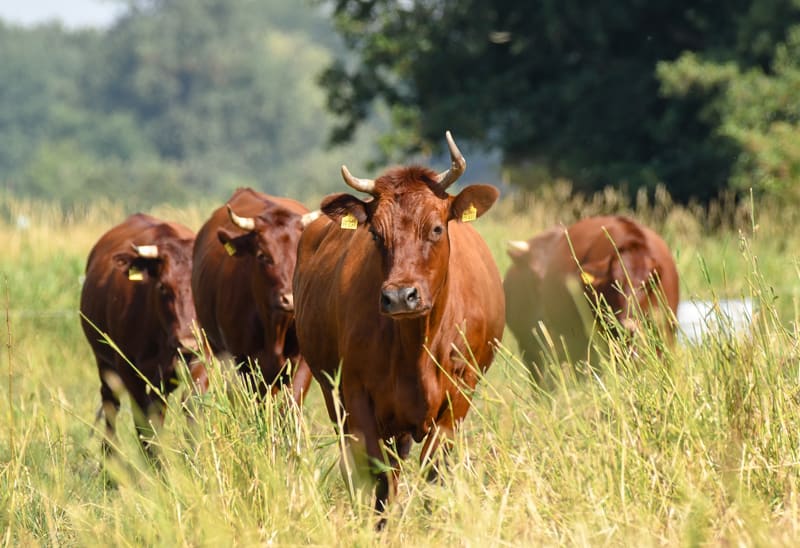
(756, 108)
(569, 86)
(177, 98)
(39, 88)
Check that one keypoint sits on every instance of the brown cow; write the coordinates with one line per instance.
(137, 293)
(559, 276)
(244, 261)
(406, 297)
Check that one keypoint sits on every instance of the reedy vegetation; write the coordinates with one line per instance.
(698, 444)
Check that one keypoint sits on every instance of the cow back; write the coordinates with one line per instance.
(123, 309)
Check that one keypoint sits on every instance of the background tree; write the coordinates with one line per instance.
(569, 87)
(179, 99)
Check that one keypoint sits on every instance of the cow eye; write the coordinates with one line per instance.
(163, 289)
(265, 259)
(437, 232)
(375, 237)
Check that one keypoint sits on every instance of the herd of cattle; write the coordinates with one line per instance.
(396, 296)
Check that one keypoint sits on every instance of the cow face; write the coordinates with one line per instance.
(623, 280)
(408, 222)
(269, 243)
(164, 269)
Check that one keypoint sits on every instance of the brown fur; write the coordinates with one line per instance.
(149, 327)
(537, 283)
(241, 299)
(391, 386)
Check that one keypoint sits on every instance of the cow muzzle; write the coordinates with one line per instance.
(285, 302)
(401, 301)
(188, 345)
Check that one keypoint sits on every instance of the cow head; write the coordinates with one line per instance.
(408, 220)
(624, 279)
(269, 242)
(164, 268)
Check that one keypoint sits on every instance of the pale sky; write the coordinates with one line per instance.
(71, 13)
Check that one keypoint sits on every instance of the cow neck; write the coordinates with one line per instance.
(276, 326)
(418, 336)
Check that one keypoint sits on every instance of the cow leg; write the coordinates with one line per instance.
(148, 415)
(255, 376)
(364, 441)
(439, 441)
(402, 445)
(109, 408)
(301, 380)
(531, 352)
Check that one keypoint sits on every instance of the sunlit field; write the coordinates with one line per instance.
(698, 444)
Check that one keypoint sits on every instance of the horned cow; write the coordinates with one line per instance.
(244, 259)
(564, 275)
(137, 294)
(402, 292)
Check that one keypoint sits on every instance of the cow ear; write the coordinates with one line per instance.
(234, 243)
(638, 265)
(135, 267)
(597, 272)
(472, 202)
(339, 206)
(518, 250)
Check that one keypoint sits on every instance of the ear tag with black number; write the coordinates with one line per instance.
(349, 222)
(470, 214)
(230, 248)
(135, 274)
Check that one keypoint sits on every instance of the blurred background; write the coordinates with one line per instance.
(164, 101)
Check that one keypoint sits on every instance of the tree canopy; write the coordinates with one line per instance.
(178, 99)
(609, 92)
(186, 98)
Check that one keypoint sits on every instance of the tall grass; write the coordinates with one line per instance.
(698, 444)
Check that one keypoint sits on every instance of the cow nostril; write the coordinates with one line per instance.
(405, 299)
(287, 301)
(411, 296)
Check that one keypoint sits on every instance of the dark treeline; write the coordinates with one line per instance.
(698, 95)
(180, 98)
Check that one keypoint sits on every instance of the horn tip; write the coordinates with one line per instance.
(518, 245)
(310, 217)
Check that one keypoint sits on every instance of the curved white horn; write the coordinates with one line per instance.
(146, 251)
(518, 246)
(362, 185)
(310, 217)
(457, 164)
(245, 223)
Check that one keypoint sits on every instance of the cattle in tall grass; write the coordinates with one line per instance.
(137, 313)
(564, 278)
(403, 294)
(244, 260)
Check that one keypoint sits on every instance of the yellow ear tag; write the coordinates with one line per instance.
(229, 247)
(470, 214)
(587, 278)
(349, 222)
(135, 275)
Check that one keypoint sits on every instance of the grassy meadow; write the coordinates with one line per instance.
(698, 445)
